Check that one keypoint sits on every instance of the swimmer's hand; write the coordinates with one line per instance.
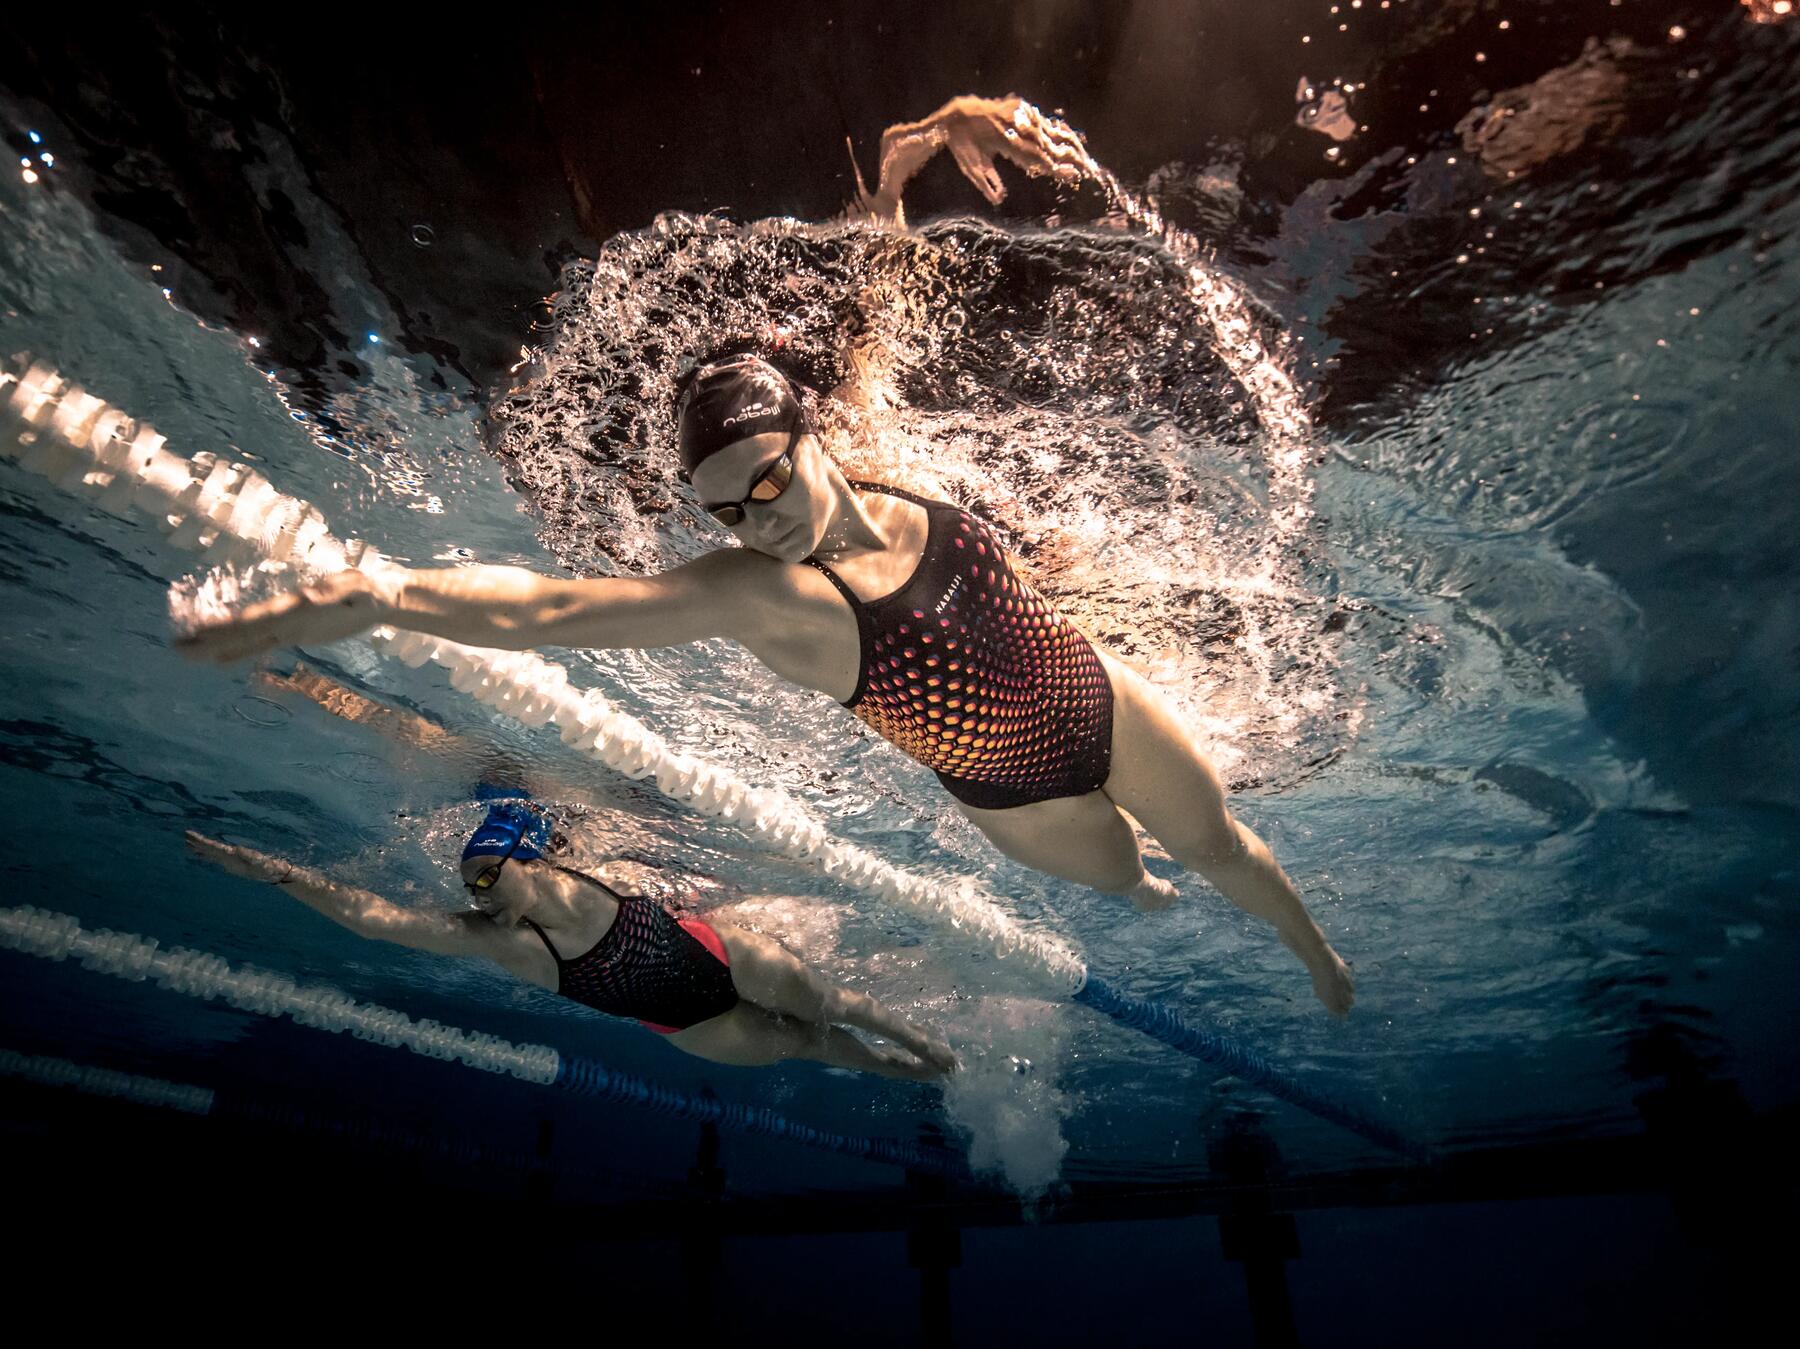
(1333, 983)
(329, 609)
(977, 131)
(980, 130)
(245, 862)
(936, 1051)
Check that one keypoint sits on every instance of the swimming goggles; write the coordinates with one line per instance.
(486, 878)
(764, 487)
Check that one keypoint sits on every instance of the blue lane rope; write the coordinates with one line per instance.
(1165, 1024)
(125, 955)
(585, 1077)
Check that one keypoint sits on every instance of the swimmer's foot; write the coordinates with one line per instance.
(929, 1049)
(1152, 893)
(913, 1067)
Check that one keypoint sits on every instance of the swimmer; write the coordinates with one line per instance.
(904, 609)
(713, 990)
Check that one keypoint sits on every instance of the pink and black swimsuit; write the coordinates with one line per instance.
(666, 972)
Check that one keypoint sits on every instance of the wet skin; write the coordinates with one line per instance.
(792, 618)
(786, 1010)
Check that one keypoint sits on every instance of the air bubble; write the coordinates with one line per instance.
(261, 711)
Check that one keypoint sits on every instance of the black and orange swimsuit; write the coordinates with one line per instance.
(974, 674)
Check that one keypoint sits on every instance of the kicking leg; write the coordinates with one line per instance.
(750, 1037)
(768, 974)
(1078, 838)
(1164, 779)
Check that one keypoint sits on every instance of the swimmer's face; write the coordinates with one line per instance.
(513, 890)
(787, 528)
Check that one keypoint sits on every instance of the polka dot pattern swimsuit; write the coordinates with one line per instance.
(974, 674)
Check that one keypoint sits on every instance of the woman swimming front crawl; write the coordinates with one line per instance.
(714, 990)
(906, 610)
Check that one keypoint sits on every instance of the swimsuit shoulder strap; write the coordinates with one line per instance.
(547, 943)
(886, 489)
(856, 605)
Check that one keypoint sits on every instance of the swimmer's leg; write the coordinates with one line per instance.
(749, 1036)
(1078, 838)
(768, 974)
(1166, 781)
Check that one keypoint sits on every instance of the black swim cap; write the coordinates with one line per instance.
(731, 400)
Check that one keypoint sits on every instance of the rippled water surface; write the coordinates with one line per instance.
(1497, 652)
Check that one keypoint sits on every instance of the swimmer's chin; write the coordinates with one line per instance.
(793, 548)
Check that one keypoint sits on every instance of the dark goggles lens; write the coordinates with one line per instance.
(774, 480)
(487, 876)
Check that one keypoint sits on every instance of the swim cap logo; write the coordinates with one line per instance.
(770, 393)
(750, 413)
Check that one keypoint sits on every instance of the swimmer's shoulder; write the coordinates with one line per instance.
(518, 950)
(484, 937)
(759, 596)
(734, 574)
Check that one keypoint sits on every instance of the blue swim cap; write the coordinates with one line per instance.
(509, 822)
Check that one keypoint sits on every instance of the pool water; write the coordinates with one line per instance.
(1497, 652)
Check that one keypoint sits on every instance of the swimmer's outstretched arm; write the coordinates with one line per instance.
(976, 131)
(508, 607)
(364, 913)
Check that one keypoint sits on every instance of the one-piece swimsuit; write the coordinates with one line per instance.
(975, 675)
(665, 971)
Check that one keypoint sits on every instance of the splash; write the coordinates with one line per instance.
(220, 591)
(1006, 1099)
(1112, 402)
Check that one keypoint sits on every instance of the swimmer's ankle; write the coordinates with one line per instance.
(1152, 893)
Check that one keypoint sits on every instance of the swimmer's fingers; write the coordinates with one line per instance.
(936, 1051)
(978, 167)
(1044, 145)
(1041, 160)
(327, 610)
(202, 846)
(1029, 156)
(1063, 138)
(1068, 149)
(1335, 985)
